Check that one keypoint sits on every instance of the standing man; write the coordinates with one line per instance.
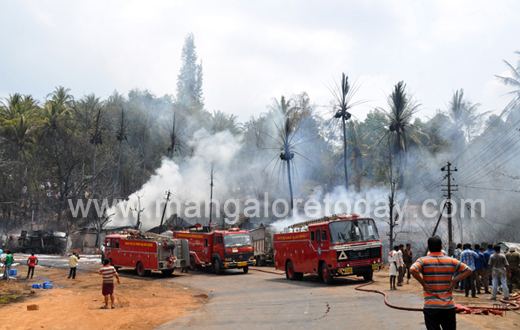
(108, 272)
(513, 258)
(487, 255)
(32, 261)
(468, 257)
(73, 263)
(480, 272)
(457, 252)
(392, 261)
(486, 269)
(408, 260)
(9, 259)
(437, 272)
(102, 253)
(400, 265)
(498, 268)
(456, 255)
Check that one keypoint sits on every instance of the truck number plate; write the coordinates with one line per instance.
(375, 266)
(242, 264)
(346, 271)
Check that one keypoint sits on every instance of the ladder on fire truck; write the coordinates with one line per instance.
(301, 226)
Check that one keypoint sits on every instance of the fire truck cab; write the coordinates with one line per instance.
(330, 246)
(218, 249)
(146, 252)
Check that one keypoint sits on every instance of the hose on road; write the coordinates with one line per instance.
(415, 309)
(513, 304)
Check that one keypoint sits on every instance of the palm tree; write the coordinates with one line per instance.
(117, 100)
(84, 111)
(221, 121)
(342, 104)
(463, 117)
(400, 130)
(513, 108)
(358, 147)
(16, 105)
(286, 121)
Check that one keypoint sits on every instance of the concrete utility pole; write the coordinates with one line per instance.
(449, 189)
(168, 193)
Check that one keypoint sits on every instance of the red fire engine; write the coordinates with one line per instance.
(219, 249)
(146, 252)
(330, 246)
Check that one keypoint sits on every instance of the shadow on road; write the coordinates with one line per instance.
(313, 280)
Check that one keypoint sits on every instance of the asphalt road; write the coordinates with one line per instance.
(260, 300)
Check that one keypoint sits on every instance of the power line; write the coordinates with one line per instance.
(488, 129)
(507, 160)
(497, 189)
(478, 164)
(485, 221)
(469, 174)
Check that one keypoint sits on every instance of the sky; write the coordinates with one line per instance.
(253, 51)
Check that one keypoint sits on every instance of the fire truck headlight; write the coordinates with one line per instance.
(378, 260)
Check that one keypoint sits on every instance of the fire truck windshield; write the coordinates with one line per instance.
(239, 240)
(350, 231)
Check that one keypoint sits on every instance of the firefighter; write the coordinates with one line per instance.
(513, 258)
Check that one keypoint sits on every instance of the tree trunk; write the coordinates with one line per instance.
(117, 172)
(345, 150)
(290, 183)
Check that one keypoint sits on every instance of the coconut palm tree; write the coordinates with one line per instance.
(399, 131)
(356, 140)
(513, 108)
(221, 121)
(342, 104)
(117, 101)
(84, 111)
(464, 118)
(286, 118)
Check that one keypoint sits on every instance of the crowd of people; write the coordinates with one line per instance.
(469, 269)
(490, 267)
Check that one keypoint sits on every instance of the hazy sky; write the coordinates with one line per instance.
(253, 51)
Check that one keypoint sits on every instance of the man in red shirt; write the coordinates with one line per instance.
(108, 272)
(32, 261)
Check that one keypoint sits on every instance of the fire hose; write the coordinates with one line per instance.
(513, 304)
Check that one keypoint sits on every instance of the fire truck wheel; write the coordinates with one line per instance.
(192, 263)
(325, 274)
(246, 269)
(167, 272)
(289, 271)
(218, 269)
(140, 269)
(367, 276)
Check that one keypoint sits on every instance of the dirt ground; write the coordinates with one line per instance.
(510, 320)
(75, 304)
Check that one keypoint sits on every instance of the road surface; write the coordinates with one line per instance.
(261, 300)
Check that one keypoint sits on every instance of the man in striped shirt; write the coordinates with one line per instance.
(437, 270)
(108, 272)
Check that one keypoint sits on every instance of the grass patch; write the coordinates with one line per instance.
(7, 299)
